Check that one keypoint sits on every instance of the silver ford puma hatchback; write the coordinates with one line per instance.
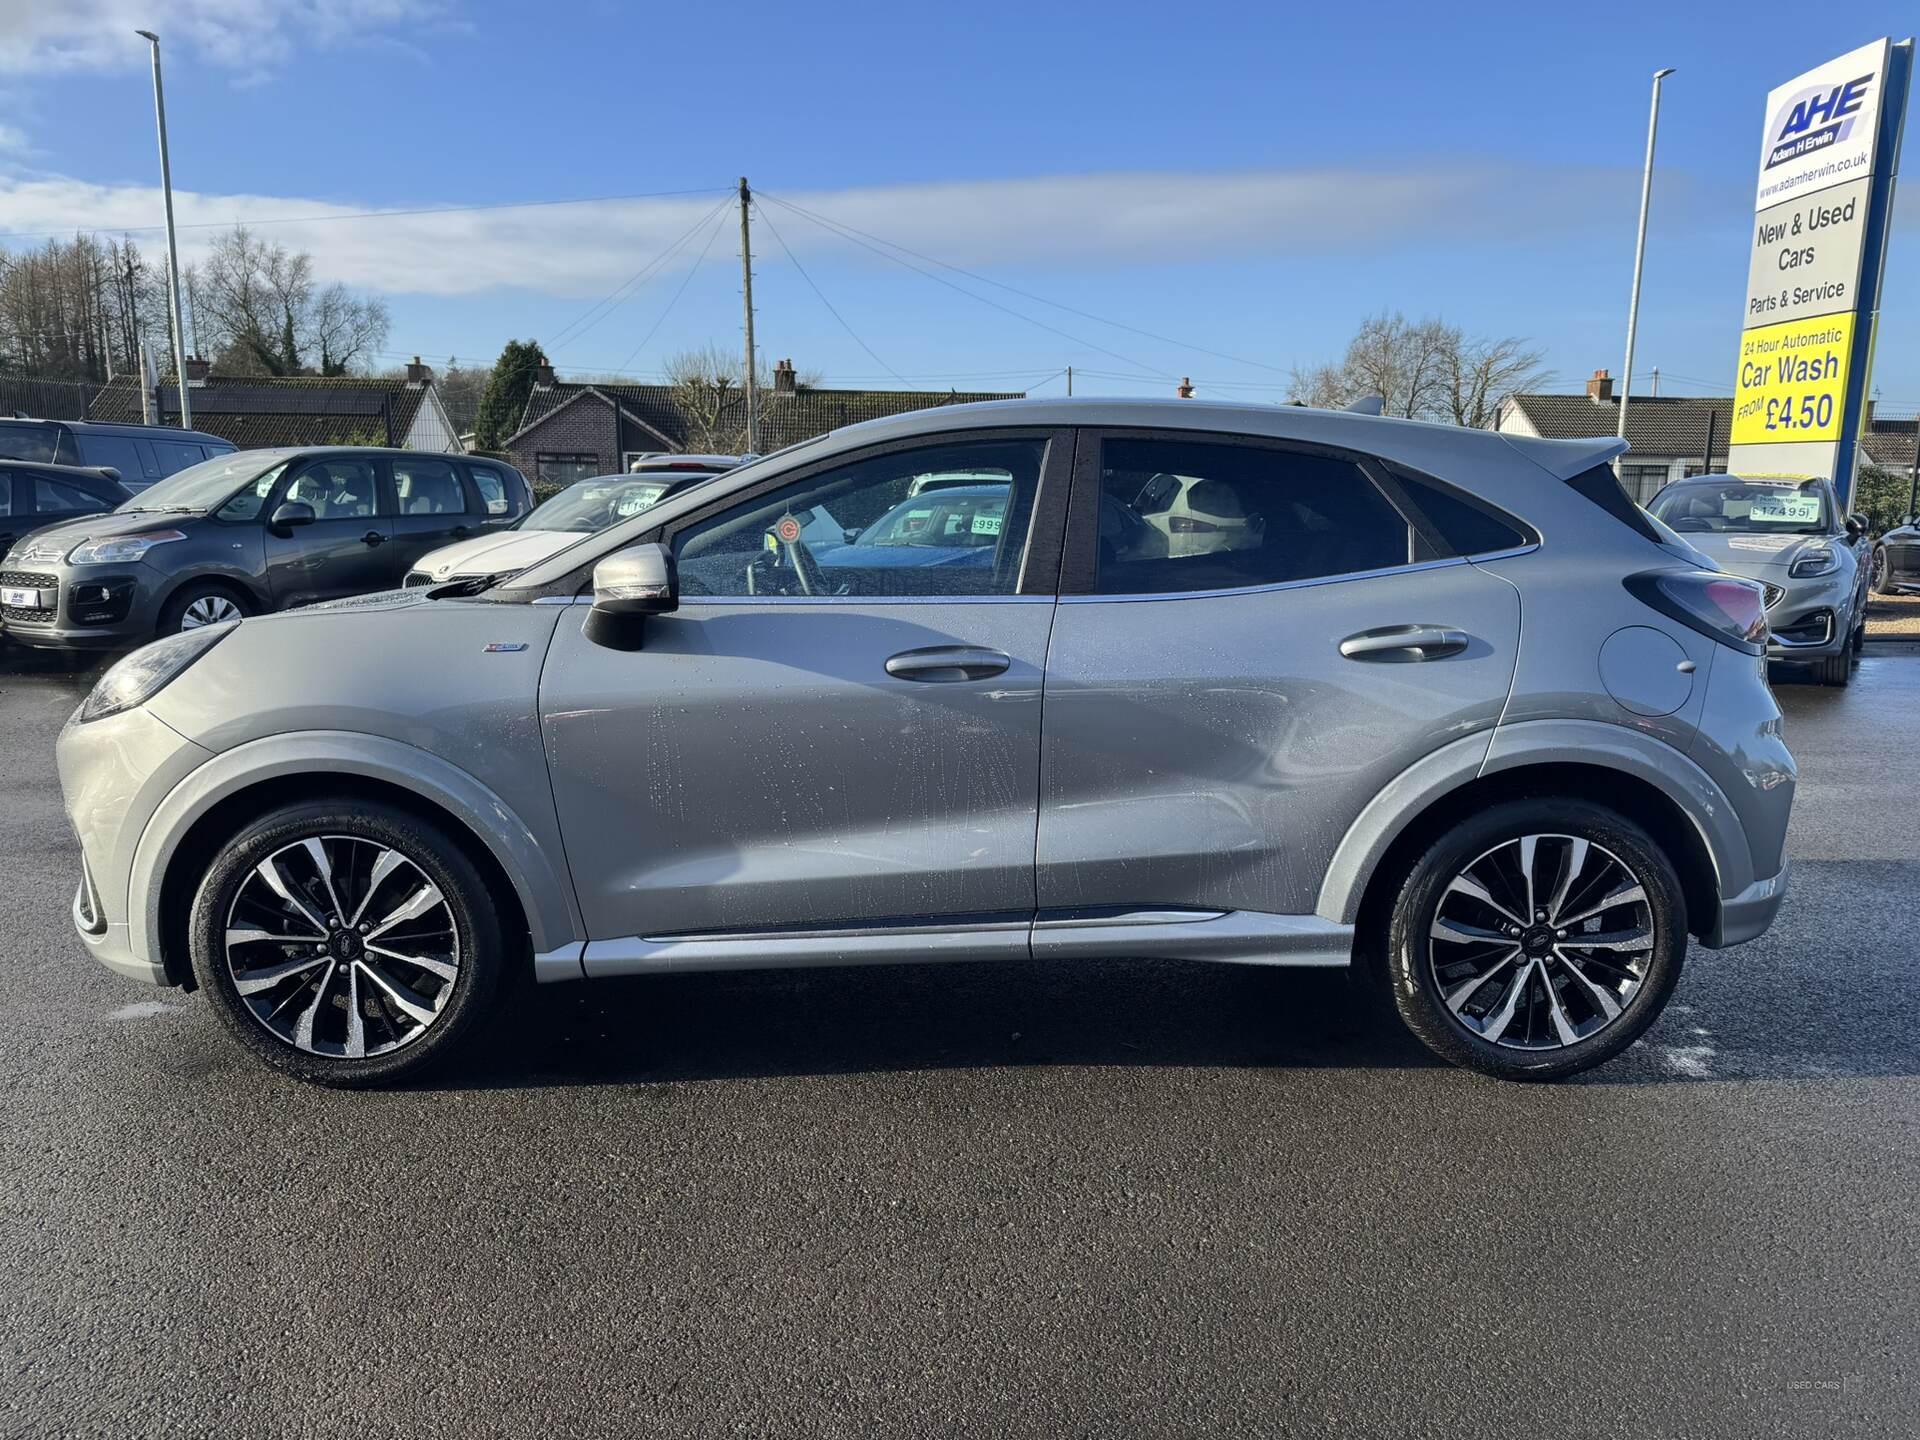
(1086, 679)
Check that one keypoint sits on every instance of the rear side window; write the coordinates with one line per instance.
(177, 455)
(116, 452)
(29, 442)
(59, 498)
(492, 486)
(427, 487)
(1457, 526)
(1180, 515)
(1602, 487)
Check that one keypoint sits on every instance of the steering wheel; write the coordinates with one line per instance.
(806, 569)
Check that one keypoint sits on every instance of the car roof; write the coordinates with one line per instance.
(1418, 443)
(114, 427)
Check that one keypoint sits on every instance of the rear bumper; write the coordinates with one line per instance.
(1748, 915)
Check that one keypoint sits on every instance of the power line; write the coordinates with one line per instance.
(844, 234)
(1041, 299)
(768, 219)
(351, 215)
(613, 299)
(685, 281)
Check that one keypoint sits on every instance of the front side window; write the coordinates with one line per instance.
(1748, 507)
(427, 487)
(337, 489)
(1185, 515)
(59, 498)
(862, 530)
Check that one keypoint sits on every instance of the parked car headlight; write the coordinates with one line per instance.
(121, 549)
(1812, 563)
(142, 675)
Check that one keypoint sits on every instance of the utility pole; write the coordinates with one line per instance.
(746, 289)
(1640, 250)
(173, 250)
(1069, 382)
(1913, 484)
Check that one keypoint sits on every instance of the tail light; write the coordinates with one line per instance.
(1183, 525)
(1723, 607)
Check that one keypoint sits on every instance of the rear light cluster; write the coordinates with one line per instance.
(1185, 525)
(1723, 607)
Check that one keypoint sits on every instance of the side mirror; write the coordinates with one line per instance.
(1856, 526)
(628, 586)
(291, 513)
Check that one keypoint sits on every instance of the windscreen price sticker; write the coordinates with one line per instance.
(1793, 377)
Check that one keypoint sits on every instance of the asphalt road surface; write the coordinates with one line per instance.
(1118, 1199)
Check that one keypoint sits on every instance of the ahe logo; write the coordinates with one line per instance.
(1831, 110)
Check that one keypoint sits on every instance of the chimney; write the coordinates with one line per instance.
(198, 370)
(543, 372)
(1185, 391)
(1600, 388)
(783, 381)
(418, 375)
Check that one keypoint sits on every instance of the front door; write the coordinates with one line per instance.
(348, 548)
(1263, 638)
(840, 726)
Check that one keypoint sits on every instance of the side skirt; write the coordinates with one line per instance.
(1236, 937)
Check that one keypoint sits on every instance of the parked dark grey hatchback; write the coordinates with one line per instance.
(255, 531)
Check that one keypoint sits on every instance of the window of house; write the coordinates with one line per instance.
(1643, 482)
(861, 530)
(559, 469)
(1179, 515)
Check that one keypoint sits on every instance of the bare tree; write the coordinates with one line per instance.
(709, 389)
(1427, 370)
(264, 314)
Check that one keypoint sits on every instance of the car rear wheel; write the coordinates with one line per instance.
(199, 603)
(1882, 581)
(1537, 940)
(346, 944)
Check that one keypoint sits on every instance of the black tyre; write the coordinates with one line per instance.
(202, 602)
(346, 943)
(1836, 670)
(1882, 572)
(1536, 940)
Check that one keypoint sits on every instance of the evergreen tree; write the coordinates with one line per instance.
(504, 400)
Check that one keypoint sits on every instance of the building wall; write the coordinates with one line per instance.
(583, 428)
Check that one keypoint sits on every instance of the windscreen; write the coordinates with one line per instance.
(1723, 506)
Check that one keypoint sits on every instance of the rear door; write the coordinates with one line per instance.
(16, 507)
(1226, 692)
(431, 508)
(348, 548)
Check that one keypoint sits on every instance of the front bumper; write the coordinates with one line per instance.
(1810, 620)
(91, 607)
(113, 775)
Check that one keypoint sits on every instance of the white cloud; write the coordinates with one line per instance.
(39, 37)
(12, 138)
(1078, 220)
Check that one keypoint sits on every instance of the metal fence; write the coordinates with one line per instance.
(46, 399)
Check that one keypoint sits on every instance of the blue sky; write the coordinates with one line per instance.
(1246, 181)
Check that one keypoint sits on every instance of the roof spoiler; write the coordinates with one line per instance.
(1564, 459)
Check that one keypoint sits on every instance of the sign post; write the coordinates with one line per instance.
(1822, 212)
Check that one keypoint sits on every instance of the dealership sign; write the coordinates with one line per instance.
(1828, 159)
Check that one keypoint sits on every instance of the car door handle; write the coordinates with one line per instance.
(947, 663)
(373, 538)
(1398, 644)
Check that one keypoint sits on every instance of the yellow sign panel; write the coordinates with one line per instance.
(1793, 380)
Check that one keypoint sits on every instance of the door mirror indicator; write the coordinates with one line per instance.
(628, 586)
(291, 513)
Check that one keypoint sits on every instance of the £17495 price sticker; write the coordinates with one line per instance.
(1793, 377)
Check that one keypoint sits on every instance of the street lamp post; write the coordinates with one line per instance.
(173, 249)
(1640, 248)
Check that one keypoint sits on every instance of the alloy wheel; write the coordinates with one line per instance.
(1541, 942)
(342, 946)
(208, 610)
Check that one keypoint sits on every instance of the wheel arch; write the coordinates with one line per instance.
(237, 787)
(255, 596)
(1414, 809)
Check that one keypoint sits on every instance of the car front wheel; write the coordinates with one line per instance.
(1882, 572)
(347, 944)
(1536, 940)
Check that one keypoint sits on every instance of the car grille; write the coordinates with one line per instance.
(1772, 594)
(27, 580)
(416, 578)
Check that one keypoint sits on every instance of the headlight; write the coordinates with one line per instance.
(122, 549)
(1812, 563)
(149, 670)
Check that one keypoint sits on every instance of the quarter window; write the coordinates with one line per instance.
(1180, 515)
(947, 520)
(492, 486)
